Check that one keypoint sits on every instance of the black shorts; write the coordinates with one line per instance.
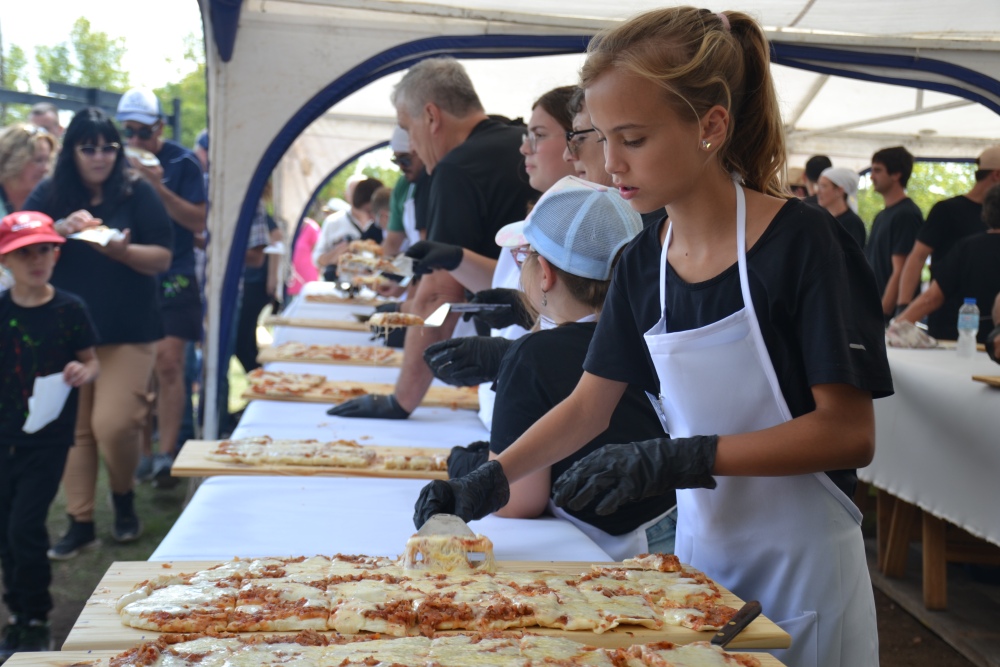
(180, 305)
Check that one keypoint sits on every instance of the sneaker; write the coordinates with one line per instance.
(161, 477)
(10, 639)
(144, 472)
(79, 537)
(35, 636)
(127, 526)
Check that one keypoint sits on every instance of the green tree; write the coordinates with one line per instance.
(14, 77)
(190, 90)
(91, 59)
(929, 183)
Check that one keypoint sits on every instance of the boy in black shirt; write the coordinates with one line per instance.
(43, 331)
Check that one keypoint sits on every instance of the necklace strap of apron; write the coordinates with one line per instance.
(663, 267)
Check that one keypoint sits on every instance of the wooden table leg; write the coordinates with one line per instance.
(904, 516)
(883, 519)
(935, 563)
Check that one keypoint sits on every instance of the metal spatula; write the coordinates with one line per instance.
(445, 524)
(438, 317)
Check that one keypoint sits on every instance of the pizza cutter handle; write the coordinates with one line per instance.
(747, 613)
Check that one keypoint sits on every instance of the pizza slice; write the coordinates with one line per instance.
(282, 384)
(268, 605)
(371, 605)
(449, 553)
(182, 608)
(415, 462)
(360, 263)
(361, 246)
(395, 320)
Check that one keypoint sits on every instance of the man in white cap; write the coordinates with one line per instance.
(403, 230)
(948, 222)
(837, 192)
(176, 175)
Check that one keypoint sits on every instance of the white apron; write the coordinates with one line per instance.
(409, 221)
(792, 542)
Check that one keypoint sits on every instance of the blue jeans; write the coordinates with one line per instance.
(661, 535)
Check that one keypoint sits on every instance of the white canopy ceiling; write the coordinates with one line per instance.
(296, 60)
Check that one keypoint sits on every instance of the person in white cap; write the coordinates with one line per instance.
(403, 230)
(566, 250)
(837, 192)
(948, 222)
(175, 173)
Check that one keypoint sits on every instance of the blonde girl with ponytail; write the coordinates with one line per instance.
(753, 322)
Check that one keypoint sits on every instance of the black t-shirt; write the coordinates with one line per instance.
(183, 176)
(479, 187)
(813, 293)
(949, 221)
(538, 372)
(421, 190)
(854, 225)
(893, 232)
(971, 270)
(123, 303)
(35, 342)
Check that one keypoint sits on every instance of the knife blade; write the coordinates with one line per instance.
(747, 613)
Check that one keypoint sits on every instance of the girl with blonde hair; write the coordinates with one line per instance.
(750, 317)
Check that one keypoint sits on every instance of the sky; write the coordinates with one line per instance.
(154, 32)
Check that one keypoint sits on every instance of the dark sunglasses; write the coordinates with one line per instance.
(403, 161)
(143, 133)
(90, 149)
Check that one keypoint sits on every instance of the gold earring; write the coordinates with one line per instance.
(706, 144)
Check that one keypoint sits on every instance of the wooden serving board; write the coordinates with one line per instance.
(991, 380)
(99, 626)
(103, 659)
(315, 323)
(456, 398)
(345, 300)
(193, 461)
(269, 354)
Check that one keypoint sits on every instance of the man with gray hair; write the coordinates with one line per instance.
(477, 186)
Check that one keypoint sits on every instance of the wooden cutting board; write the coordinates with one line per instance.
(103, 658)
(314, 323)
(193, 461)
(991, 380)
(99, 626)
(345, 300)
(456, 398)
(273, 353)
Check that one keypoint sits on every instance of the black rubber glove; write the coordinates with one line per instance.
(616, 475)
(468, 361)
(391, 307)
(481, 492)
(464, 460)
(517, 314)
(430, 255)
(371, 406)
(991, 344)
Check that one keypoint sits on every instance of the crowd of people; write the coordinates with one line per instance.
(686, 359)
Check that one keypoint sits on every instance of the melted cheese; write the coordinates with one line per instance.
(448, 553)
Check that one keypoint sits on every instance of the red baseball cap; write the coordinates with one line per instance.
(26, 228)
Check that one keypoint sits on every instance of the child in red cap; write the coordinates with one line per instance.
(43, 331)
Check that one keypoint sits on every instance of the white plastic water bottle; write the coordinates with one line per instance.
(968, 328)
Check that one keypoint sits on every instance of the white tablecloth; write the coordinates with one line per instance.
(263, 516)
(938, 439)
(274, 516)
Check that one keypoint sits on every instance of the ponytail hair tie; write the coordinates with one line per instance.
(725, 21)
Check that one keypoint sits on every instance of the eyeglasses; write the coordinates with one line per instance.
(90, 150)
(520, 254)
(404, 160)
(575, 139)
(532, 140)
(145, 132)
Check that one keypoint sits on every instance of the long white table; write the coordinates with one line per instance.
(938, 438)
(274, 516)
(261, 516)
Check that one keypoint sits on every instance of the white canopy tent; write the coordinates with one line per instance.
(922, 75)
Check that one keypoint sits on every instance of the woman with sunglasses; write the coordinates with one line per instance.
(90, 186)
